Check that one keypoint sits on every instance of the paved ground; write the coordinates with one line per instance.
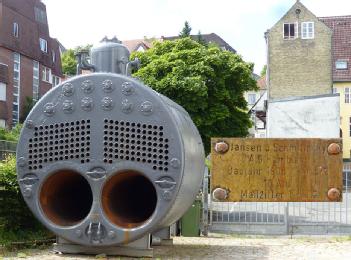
(228, 247)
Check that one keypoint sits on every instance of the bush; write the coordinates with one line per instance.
(14, 213)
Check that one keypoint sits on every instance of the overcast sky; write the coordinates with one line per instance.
(241, 23)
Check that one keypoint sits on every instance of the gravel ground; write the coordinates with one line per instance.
(218, 246)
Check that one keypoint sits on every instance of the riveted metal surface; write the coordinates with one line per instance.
(99, 126)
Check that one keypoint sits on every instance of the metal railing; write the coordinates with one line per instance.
(6, 148)
(284, 218)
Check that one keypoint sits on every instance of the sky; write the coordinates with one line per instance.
(241, 23)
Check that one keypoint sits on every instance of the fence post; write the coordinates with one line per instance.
(286, 218)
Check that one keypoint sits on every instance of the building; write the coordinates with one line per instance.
(309, 55)
(341, 53)
(30, 62)
(257, 105)
(145, 44)
(299, 57)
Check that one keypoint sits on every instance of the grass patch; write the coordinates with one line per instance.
(24, 239)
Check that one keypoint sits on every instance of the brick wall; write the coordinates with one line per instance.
(299, 67)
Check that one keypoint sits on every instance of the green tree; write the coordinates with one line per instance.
(185, 31)
(207, 81)
(28, 105)
(200, 39)
(69, 63)
(263, 71)
(10, 135)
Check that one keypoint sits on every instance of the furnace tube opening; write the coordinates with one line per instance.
(129, 199)
(66, 198)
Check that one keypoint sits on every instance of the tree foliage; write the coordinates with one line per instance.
(10, 135)
(263, 71)
(207, 81)
(28, 105)
(69, 63)
(185, 32)
(14, 213)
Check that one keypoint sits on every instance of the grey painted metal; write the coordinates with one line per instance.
(90, 107)
(285, 218)
(110, 56)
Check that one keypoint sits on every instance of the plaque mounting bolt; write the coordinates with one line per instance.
(334, 194)
(334, 149)
(220, 194)
(221, 147)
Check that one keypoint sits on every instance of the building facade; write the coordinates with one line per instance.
(299, 55)
(30, 62)
(341, 53)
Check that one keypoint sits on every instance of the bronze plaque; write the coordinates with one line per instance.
(276, 169)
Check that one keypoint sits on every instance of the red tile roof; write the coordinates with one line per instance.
(261, 83)
(341, 50)
(133, 45)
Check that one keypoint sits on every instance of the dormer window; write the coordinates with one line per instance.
(307, 31)
(341, 65)
(290, 31)
(15, 30)
(43, 45)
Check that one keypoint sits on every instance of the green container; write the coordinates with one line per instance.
(190, 222)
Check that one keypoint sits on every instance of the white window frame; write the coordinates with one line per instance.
(296, 32)
(46, 75)
(347, 95)
(43, 45)
(305, 33)
(55, 81)
(15, 31)
(16, 80)
(3, 91)
(341, 65)
(53, 53)
(36, 80)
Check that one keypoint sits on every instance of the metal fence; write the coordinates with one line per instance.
(6, 148)
(282, 217)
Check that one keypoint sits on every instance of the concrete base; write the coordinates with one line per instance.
(162, 237)
(138, 248)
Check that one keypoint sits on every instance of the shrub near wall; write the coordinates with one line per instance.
(14, 213)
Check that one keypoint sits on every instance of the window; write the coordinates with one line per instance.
(15, 30)
(290, 30)
(46, 74)
(53, 56)
(252, 99)
(2, 123)
(40, 15)
(55, 80)
(2, 91)
(347, 95)
(16, 87)
(335, 90)
(341, 64)
(35, 80)
(43, 45)
(307, 30)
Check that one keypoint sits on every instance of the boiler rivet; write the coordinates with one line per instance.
(79, 233)
(49, 109)
(21, 162)
(146, 108)
(107, 86)
(127, 88)
(87, 104)
(29, 124)
(220, 194)
(67, 89)
(221, 147)
(27, 192)
(175, 163)
(333, 194)
(167, 195)
(87, 86)
(127, 106)
(68, 107)
(111, 234)
(334, 149)
(107, 103)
